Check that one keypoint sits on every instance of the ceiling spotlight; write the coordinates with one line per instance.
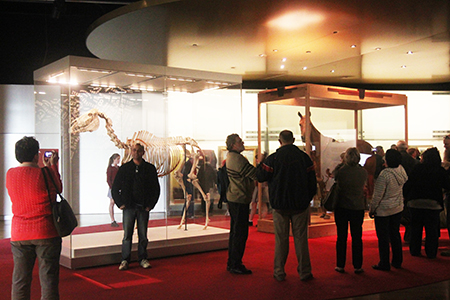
(284, 59)
(262, 55)
(304, 68)
(377, 48)
(194, 45)
(409, 52)
(275, 50)
(332, 71)
(353, 46)
(308, 52)
(404, 66)
(282, 67)
(334, 32)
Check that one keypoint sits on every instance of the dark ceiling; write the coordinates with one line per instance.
(355, 43)
(33, 34)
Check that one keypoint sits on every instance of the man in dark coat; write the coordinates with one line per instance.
(135, 191)
(292, 185)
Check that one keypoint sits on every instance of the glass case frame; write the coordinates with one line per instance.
(321, 96)
(70, 83)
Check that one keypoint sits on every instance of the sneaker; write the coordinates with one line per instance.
(359, 271)
(145, 264)
(123, 265)
(339, 270)
(114, 224)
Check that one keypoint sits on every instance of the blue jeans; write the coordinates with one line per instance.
(24, 253)
(130, 215)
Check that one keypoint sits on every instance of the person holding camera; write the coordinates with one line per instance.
(387, 207)
(33, 233)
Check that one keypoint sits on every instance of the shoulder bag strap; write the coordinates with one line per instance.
(51, 179)
(46, 185)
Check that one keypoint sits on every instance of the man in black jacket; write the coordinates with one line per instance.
(292, 185)
(135, 191)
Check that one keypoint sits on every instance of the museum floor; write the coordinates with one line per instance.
(439, 290)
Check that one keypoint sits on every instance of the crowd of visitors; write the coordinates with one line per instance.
(409, 188)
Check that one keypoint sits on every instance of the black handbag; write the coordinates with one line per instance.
(63, 216)
(331, 199)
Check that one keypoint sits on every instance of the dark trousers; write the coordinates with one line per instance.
(388, 232)
(447, 207)
(238, 233)
(406, 221)
(428, 218)
(47, 251)
(342, 218)
(130, 215)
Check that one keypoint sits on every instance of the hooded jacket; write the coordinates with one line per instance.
(388, 197)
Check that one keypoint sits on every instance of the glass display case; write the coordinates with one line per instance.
(89, 109)
(326, 120)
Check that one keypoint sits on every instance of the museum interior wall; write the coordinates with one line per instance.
(208, 117)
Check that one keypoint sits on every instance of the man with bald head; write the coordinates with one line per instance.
(292, 185)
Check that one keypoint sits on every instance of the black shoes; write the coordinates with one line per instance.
(307, 277)
(380, 268)
(240, 270)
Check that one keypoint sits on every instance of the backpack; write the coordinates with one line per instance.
(222, 185)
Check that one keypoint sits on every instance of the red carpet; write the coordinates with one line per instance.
(203, 276)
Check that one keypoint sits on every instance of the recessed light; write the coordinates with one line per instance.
(377, 48)
(275, 50)
(334, 32)
(194, 45)
(282, 67)
(404, 66)
(304, 68)
(262, 55)
(332, 71)
(284, 59)
(308, 52)
(409, 52)
(353, 46)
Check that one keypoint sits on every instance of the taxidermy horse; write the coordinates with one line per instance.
(319, 142)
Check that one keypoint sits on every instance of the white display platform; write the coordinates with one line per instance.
(103, 248)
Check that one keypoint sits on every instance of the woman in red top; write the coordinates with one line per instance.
(33, 233)
(111, 172)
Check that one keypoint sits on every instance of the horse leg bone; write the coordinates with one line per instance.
(188, 200)
(208, 204)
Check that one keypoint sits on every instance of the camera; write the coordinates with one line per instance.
(48, 154)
